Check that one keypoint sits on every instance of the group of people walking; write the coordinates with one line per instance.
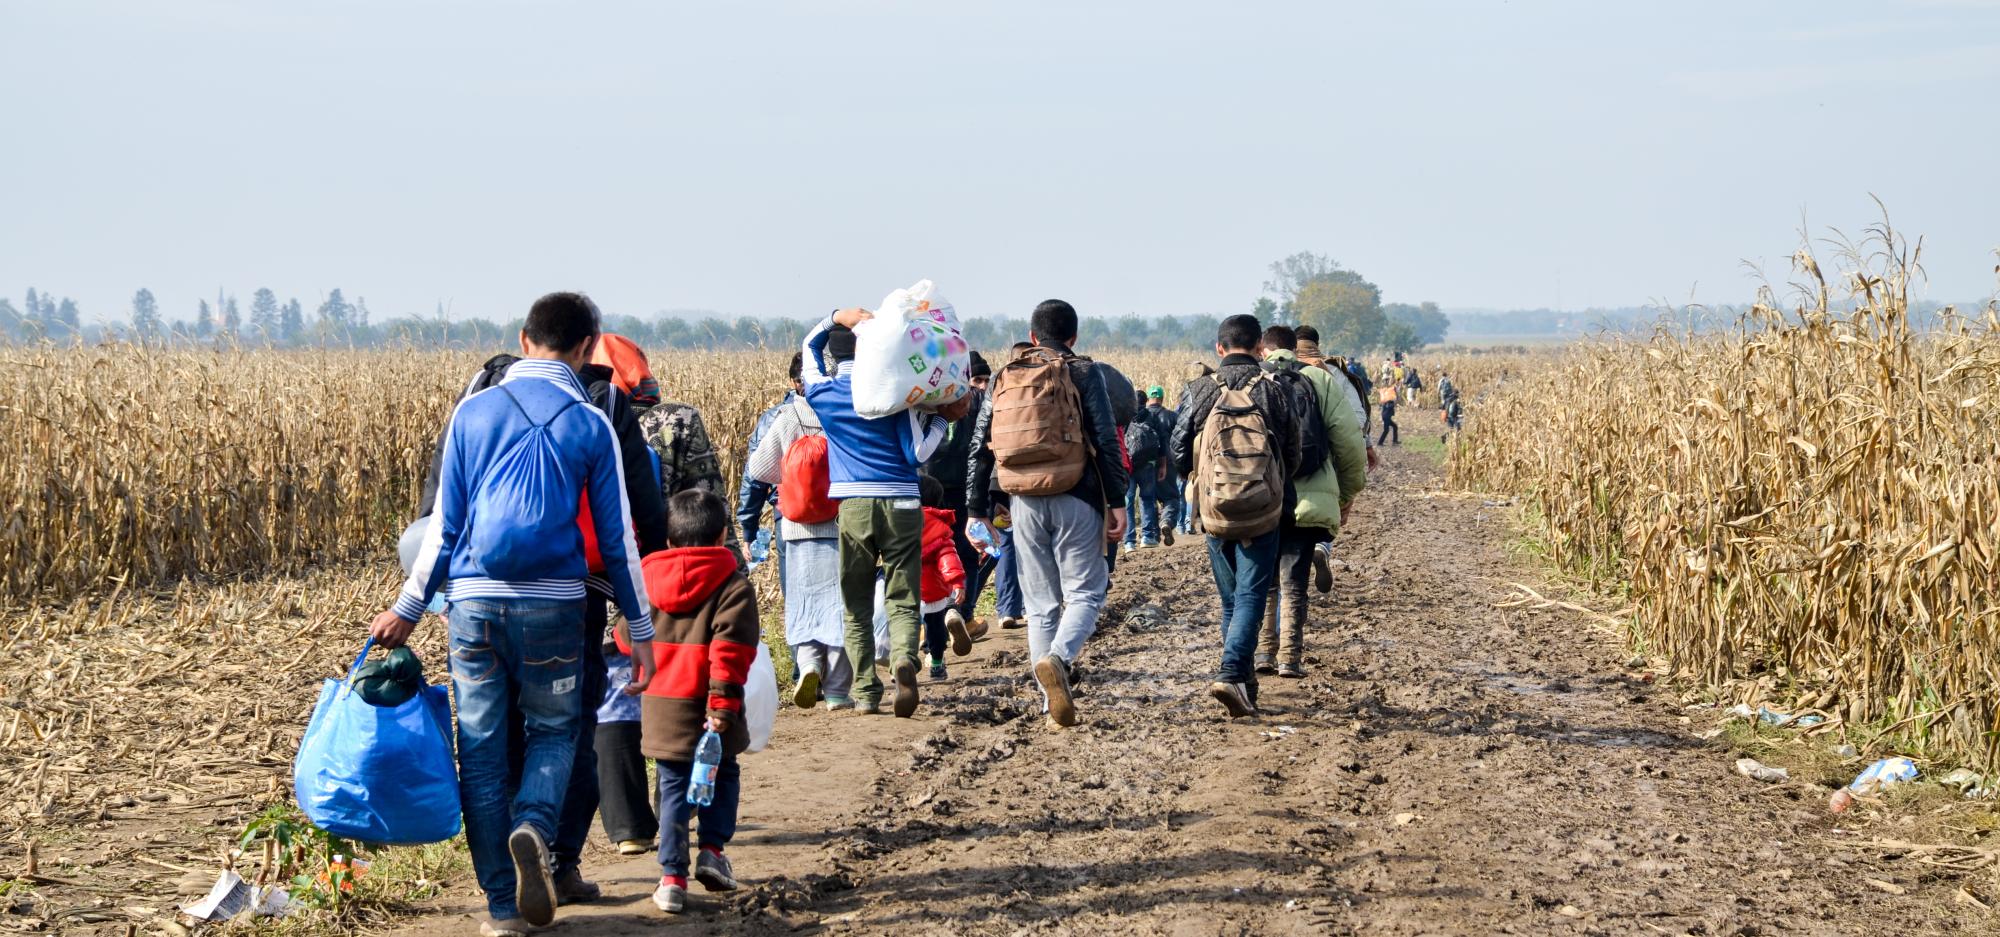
(563, 484)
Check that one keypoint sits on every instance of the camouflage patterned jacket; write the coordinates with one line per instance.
(687, 456)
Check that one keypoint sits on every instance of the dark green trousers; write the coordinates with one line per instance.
(880, 533)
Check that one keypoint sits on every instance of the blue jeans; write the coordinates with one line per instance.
(513, 658)
(718, 819)
(1244, 571)
(1142, 500)
(579, 805)
(1007, 602)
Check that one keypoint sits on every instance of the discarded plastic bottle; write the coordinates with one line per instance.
(701, 775)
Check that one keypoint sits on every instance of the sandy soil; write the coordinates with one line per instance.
(1448, 767)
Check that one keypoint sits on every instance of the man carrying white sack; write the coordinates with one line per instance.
(873, 467)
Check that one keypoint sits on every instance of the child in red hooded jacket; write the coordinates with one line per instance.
(708, 632)
(943, 580)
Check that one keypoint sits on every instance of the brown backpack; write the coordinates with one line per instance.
(1238, 484)
(1037, 434)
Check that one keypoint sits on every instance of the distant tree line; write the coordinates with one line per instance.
(1305, 288)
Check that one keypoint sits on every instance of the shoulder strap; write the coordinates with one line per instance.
(531, 419)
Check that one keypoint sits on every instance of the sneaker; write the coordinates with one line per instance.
(535, 887)
(1053, 676)
(504, 927)
(573, 888)
(1291, 671)
(961, 639)
(1266, 665)
(1130, 547)
(806, 692)
(1233, 698)
(670, 897)
(1323, 567)
(864, 707)
(1167, 535)
(634, 847)
(976, 628)
(836, 705)
(1012, 623)
(906, 689)
(938, 671)
(711, 869)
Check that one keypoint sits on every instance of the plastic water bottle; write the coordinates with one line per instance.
(985, 538)
(707, 762)
(760, 548)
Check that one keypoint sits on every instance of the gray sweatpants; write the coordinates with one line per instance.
(1059, 552)
(836, 675)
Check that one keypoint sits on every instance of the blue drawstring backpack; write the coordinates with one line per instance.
(379, 774)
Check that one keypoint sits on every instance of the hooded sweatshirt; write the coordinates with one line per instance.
(706, 637)
(943, 571)
(1345, 472)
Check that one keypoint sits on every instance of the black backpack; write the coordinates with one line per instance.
(1142, 444)
(1304, 399)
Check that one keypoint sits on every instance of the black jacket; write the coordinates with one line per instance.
(953, 459)
(1199, 398)
(1104, 478)
(642, 489)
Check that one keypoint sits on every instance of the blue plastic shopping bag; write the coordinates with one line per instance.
(379, 774)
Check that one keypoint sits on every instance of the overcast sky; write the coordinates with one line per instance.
(1151, 157)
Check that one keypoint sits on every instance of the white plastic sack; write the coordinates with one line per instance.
(910, 355)
(760, 699)
(881, 620)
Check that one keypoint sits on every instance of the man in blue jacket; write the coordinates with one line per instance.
(872, 467)
(518, 458)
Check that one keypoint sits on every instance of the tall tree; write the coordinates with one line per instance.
(264, 315)
(292, 321)
(1348, 315)
(335, 312)
(204, 321)
(232, 321)
(68, 318)
(145, 316)
(1265, 310)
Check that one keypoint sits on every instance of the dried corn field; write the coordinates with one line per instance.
(1807, 505)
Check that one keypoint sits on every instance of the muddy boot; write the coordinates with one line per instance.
(976, 628)
(1234, 697)
(906, 689)
(1291, 670)
(961, 639)
(1266, 664)
(1053, 676)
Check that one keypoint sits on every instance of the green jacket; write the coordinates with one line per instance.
(1322, 493)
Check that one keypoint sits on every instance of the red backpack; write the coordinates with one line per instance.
(803, 480)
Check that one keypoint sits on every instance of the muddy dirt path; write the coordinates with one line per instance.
(1447, 767)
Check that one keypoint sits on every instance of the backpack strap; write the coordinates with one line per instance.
(530, 417)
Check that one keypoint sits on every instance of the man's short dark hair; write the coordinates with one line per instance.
(1239, 333)
(560, 322)
(798, 369)
(1019, 347)
(1054, 321)
(930, 491)
(1307, 333)
(695, 518)
(1279, 336)
(840, 343)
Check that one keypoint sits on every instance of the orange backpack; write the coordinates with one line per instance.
(1037, 434)
(803, 480)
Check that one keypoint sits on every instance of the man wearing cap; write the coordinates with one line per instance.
(1166, 484)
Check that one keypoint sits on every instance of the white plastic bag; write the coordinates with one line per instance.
(881, 621)
(760, 699)
(910, 355)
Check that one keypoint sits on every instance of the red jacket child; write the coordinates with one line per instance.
(943, 573)
(706, 635)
